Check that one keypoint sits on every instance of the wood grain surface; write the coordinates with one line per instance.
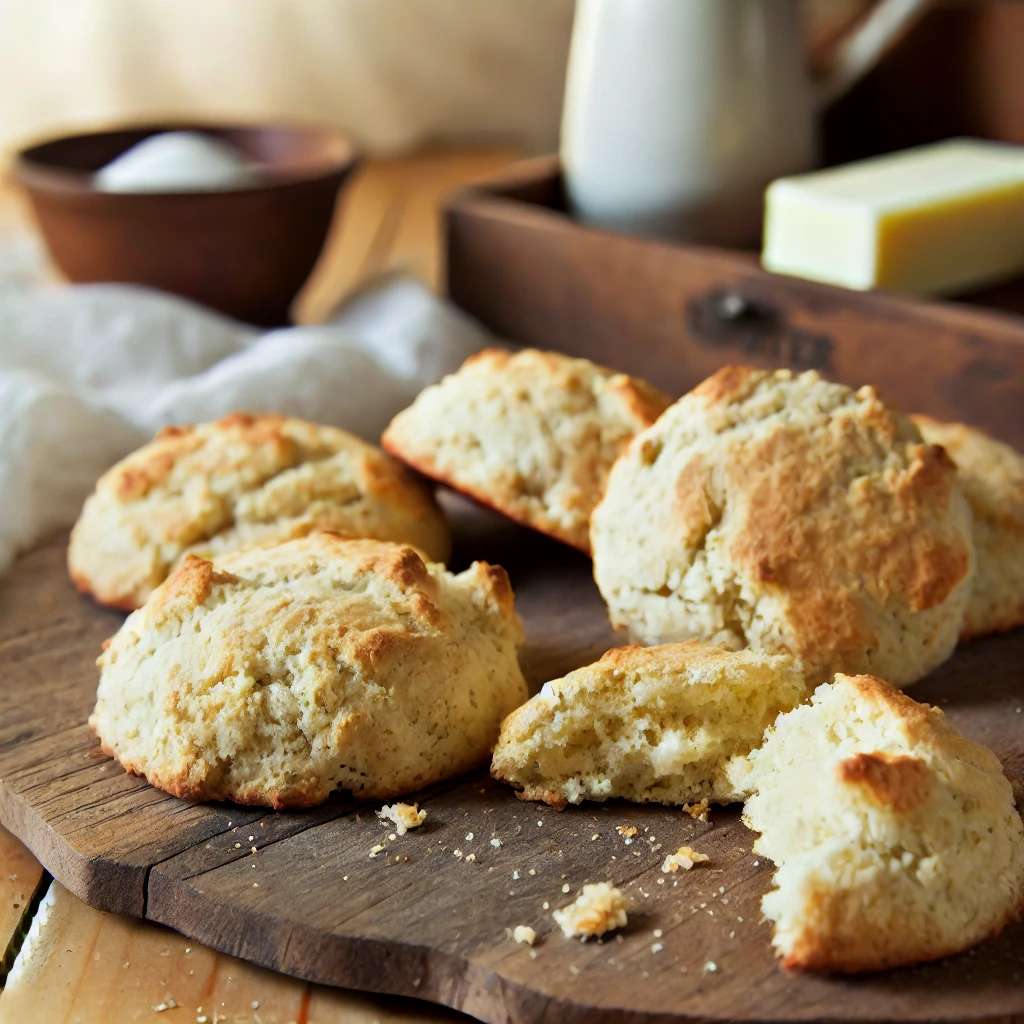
(85, 966)
(311, 901)
(20, 877)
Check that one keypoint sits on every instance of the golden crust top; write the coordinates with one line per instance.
(783, 510)
(531, 434)
(992, 476)
(283, 672)
(234, 483)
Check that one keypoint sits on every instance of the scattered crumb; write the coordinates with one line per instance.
(524, 933)
(169, 1005)
(457, 853)
(658, 933)
(255, 885)
(470, 857)
(593, 837)
(627, 831)
(539, 823)
(392, 837)
(699, 812)
(495, 842)
(598, 909)
(405, 816)
(657, 947)
(565, 888)
(545, 905)
(685, 859)
(374, 850)
(532, 871)
(469, 837)
(710, 967)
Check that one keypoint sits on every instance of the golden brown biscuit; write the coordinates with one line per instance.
(791, 514)
(235, 483)
(531, 434)
(992, 476)
(282, 673)
(651, 724)
(896, 839)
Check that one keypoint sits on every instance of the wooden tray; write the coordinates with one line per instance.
(312, 903)
(676, 313)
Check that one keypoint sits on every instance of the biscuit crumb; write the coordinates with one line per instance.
(685, 858)
(626, 831)
(524, 933)
(598, 909)
(699, 812)
(405, 816)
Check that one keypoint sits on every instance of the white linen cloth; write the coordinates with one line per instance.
(89, 372)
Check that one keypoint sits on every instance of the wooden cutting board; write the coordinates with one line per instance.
(421, 919)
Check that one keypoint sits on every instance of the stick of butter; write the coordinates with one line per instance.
(937, 219)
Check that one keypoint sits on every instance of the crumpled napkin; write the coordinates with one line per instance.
(89, 372)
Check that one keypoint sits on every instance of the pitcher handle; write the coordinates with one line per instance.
(857, 52)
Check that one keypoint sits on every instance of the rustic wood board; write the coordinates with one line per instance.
(312, 903)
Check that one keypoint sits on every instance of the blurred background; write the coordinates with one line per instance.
(397, 73)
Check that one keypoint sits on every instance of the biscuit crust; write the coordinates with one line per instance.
(789, 513)
(235, 483)
(282, 673)
(992, 477)
(530, 434)
(896, 838)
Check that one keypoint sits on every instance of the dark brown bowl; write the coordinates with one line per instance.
(245, 252)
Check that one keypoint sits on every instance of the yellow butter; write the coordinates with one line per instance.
(936, 219)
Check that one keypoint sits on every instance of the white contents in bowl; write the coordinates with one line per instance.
(178, 162)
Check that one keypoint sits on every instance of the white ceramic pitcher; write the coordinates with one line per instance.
(678, 113)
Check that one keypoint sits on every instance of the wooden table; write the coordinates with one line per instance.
(85, 966)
